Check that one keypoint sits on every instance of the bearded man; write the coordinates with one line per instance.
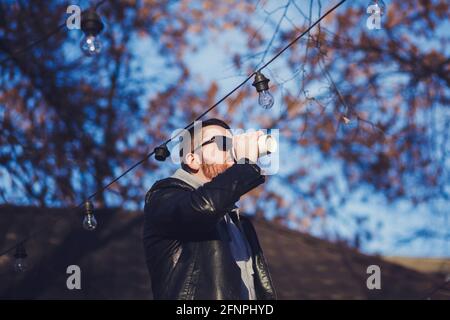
(197, 244)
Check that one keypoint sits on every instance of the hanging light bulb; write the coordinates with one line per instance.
(261, 84)
(89, 221)
(265, 99)
(91, 25)
(90, 45)
(20, 264)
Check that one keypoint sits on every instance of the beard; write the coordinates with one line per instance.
(213, 170)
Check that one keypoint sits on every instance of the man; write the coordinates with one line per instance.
(197, 245)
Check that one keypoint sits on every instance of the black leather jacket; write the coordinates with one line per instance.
(185, 239)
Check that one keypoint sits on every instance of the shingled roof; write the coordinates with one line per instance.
(112, 261)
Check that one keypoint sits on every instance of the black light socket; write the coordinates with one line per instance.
(261, 83)
(162, 152)
(91, 24)
(88, 207)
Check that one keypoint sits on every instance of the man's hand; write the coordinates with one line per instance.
(246, 146)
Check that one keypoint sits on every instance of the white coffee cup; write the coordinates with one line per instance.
(266, 145)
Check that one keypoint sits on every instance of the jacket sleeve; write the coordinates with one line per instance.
(172, 210)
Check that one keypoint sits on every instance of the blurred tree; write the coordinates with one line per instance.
(372, 103)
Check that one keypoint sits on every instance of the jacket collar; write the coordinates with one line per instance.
(190, 179)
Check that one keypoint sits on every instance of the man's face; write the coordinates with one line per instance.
(214, 159)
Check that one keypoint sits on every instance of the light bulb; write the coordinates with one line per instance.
(92, 26)
(265, 99)
(20, 264)
(90, 45)
(89, 222)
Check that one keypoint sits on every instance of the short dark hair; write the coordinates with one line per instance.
(190, 146)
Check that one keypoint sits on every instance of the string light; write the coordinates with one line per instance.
(89, 221)
(20, 263)
(261, 84)
(91, 25)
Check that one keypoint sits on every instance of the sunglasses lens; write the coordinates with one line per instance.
(223, 143)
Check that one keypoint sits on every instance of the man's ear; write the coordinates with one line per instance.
(192, 160)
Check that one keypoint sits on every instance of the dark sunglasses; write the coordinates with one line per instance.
(223, 143)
